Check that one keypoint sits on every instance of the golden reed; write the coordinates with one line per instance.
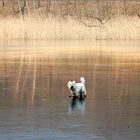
(48, 28)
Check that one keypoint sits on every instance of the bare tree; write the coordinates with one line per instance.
(125, 10)
(13, 5)
(38, 3)
(3, 2)
(104, 9)
(49, 5)
(22, 6)
(60, 6)
(75, 5)
(67, 7)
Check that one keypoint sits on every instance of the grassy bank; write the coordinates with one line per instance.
(47, 28)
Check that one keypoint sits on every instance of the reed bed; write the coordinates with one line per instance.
(49, 28)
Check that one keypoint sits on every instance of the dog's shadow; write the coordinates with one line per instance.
(77, 105)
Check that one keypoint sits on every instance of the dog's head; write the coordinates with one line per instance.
(71, 85)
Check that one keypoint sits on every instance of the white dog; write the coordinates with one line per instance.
(77, 89)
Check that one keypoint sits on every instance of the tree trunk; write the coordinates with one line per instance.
(48, 5)
(125, 10)
(22, 7)
(67, 7)
(3, 2)
(38, 3)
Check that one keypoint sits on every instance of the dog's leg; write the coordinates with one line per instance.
(71, 94)
(83, 95)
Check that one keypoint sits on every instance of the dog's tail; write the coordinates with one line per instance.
(82, 79)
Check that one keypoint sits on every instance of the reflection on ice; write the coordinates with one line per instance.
(77, 105)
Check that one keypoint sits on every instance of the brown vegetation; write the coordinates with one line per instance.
(50, 28)
(102, 9)
(69, 19)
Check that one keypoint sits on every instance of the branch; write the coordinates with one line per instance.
(89, 25)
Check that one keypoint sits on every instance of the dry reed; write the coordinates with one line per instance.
(42, 28)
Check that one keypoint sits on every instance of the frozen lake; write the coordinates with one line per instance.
(34, 98)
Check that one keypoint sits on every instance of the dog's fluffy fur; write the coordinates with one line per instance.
(77, 89)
